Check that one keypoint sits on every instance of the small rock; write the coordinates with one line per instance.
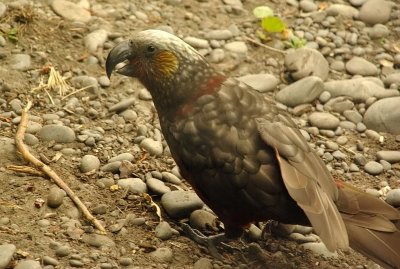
(203, 220)
(393, 197)
(238, 47)
(391, 156)
(95, 40)
(98, 240)
(196, 42)
(123, 105)
(28, 264)
(360, 66)
(319, 248)
(21, 62)
(135, 185)
(89, 163)
(254, 232)
(47, 260)
(375, 11)
(305, 62)
(162, 255)
(384, 115)
(122, 157)
(171, 178)
(55, 197)
(218, 35)
(302, 91)
(70, 11)
(6, 254)
(260, 82)
(157, 186)
(373, 168)
(203, 263)
(152, 147)
(58, 133)
(111, 167)
(345, 11)
(323, 120)
(163, 231)
(180, 204)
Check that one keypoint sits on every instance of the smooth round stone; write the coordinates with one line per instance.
(21, 62)
(70, 11)
(171, 178)
(179, 204)
(100, 209)
(28, 264)
(162, 255)
(126, 261)
(196, 42)
(135, 185)
(58, 133)
(6, 254)
(308, 6)
(219, 35)
(323, 120)
(373, 168)
(391, 156)
(203, 220)
(111, 167)
(393, 197)
(98, 240)
(163, 231)
(123, 105)
(319, 248)
(344, 11)
(157, 186)
(341, 140)
(55, 197)
(360, 66)
(62, 251)
(95, 40)
(383, 115)
(375, 11)
(30, 139)
(89, 163)
(203, 263)
(122, 157)
(378, 31)
(76, 263)
(145, 95)
(47, 260)
(129, 115)
(260, 82)
(238, 47)
(324, 97)
(217, 55)
(152, 147)
(353, 116)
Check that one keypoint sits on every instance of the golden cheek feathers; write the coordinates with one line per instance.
(166, 63)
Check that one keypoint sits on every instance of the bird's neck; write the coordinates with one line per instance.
(176, 97)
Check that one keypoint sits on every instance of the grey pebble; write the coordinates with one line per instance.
(123, 105)
(378, 31)
(383, 115)
(95, 40)
(76, 263)
(345, 11)
(372, 134)
(58, 133)
(196, 42)
(134, 185)
(203, 220)
(260, 82)
(306, 62)
(308, 6)
(360, 66)
(122, 157)
(30, 139)
(3, 9)
(217, 55)
(70, 11)
(391, 156)
(162, 255)
(180, 204)
(129, 115)
(163, 231)
(85, 81)
(6, 254)
(111, 167)
(353, 168)
(89, 163)
(21, 62)
(104, 81)
(375, 11)
(218, 35)
(386, 165)
(98, 240)
(323, 120)
(341, 106)
(373, 168)
(100, 209)
(393, 197)
(203, 263)
(342, 140)
(125, 261)
(238, 47)
(353, 116)
(171, 178)
(145, 95)
(47, 260)
(152, 147)
(55, 197)
(302, 91)
(157, 186)
(338, 155)
(28, 264)
(62, 251)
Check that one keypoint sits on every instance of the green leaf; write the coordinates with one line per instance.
(273, 25)
(263, 12)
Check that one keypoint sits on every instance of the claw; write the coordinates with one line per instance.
(211, 242)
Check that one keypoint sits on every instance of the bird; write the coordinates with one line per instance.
(244, 156)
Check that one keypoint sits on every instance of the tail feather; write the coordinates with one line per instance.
(381, 247)
(372, 225)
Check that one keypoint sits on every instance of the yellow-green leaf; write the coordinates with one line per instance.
(273, 25)
(263, 12)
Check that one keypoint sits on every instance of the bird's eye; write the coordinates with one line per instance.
(150, 49)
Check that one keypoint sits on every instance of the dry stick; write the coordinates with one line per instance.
(265, 46)
(46, 169)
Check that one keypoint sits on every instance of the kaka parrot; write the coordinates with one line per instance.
(246, 158)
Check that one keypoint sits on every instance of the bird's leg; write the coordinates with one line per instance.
(211, 242)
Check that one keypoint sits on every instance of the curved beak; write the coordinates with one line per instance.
(120, 53)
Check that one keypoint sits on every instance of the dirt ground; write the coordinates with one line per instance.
(54, 41)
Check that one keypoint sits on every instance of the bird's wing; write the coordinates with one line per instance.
(306, 178)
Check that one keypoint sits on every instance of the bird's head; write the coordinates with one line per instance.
(167, 66)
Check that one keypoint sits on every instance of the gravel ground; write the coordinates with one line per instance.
(103, 138)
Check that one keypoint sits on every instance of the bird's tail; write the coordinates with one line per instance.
(372, 225)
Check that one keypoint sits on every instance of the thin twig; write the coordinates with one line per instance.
(340, 146)
(265, 46)
(75, 92)
(46, 169)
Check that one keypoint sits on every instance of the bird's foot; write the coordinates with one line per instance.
(211, 242)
